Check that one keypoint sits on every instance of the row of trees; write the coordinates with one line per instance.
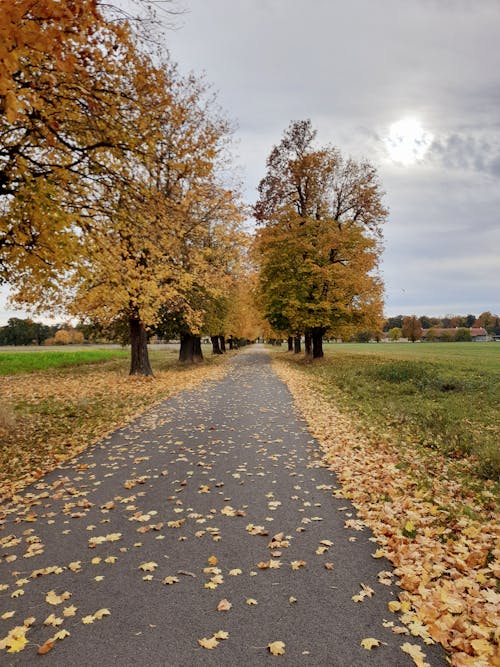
(115, 200)
(486, 320)
(318, 242)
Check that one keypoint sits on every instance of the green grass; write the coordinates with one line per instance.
(13, 363)
(440, 396)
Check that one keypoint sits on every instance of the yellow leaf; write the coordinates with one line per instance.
(170, 580)
(148, 567)
(370, 643)
(213, 560)
(101, 613)
(235, 572)
(208, 643)
(296, 564)
(87, 620)
(8, 614)
(394, 606)
(16, 644)
(221, 634)
(416, 653)
(70, 611)
(61, 634)
(251, 601)
(291, 599)
(276, 648)
(53, 620)
(53, 598)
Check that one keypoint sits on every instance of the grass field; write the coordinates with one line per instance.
(441, 396)
(12, 363)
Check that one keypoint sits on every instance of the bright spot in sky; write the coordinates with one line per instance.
(407, 141)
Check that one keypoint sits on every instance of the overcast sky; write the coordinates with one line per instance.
(411, 85)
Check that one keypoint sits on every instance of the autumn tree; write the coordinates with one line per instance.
(111, 204)
(412, 328)
(318, 245)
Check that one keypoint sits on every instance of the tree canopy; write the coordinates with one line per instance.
(318, 244)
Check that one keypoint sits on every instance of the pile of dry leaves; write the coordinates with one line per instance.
(441, 538)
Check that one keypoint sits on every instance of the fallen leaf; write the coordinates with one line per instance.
(276, 648)
(170, 580)
(297, 564)
(148, 567)
(370, 643)
(251, 601)
(45, 648)
(416, 653)
(221, 634)
(224, 605)
(16, 643)
(53, 598)
(208, 643)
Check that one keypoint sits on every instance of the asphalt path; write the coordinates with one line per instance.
(217, 494)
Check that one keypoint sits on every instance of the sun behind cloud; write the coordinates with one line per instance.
(407, 141)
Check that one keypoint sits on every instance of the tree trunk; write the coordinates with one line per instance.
(190, 352)
(231, 343)
(139, 358)
(290, 343)
(317, 341)
(215, 345)
(308, 345)
(222, 341)
(296, 344)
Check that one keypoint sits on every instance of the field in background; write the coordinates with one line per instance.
(27, 361)
(441, 396)
(49, 415)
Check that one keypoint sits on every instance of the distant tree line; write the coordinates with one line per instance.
(448, 328)
(486, 320)
(19, 331)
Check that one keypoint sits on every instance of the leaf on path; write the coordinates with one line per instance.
(53, 621)
(148, 567)
(297, 564)
(224, 605)
(170, 580)
(416, 653)
(53, 598)
(235, 572)
(16, 642)
(208, 643)
(276, 648)
(45, 648)
(370, 642)
(251, 601)
(221, 634)
(62, 634)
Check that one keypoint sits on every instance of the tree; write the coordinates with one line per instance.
(412, 328)
(487, 320)
(146, 218)
(395, 334)
(319, 241)
(463, 335)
